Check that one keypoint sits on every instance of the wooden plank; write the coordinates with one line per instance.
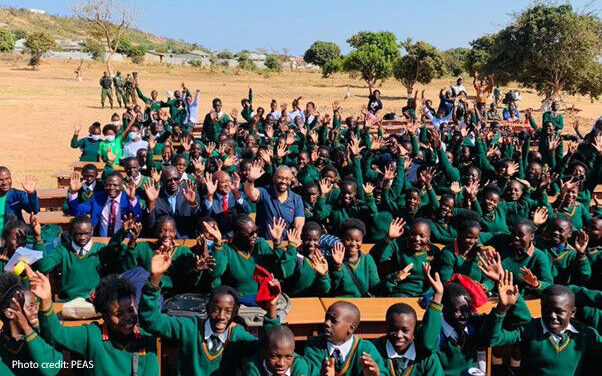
(62, 179)
(52, 217)
(51, 198)
(79, 165)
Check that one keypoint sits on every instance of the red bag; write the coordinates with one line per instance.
(266, 293)
(475, 289)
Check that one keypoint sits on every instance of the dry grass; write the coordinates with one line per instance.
(41, 107)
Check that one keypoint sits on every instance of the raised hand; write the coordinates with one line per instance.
(455, 187)
(389, 173)
(368, 188)
(161, 260)
(325, 187)
(205, 262)
(210, 184)
(581, 241)
(598, 144)
(29, 185)
(130, 189)
(319, 261)
(210, 147)
(39, 284)
(189, 192)
(75, 182)
(255, 171)
(313, 135)
(507, 292)
(528, 277)
(231, 160)
(235, 185)
(294, 235)
(34, 222)
(213, 230)
(396, 228)
(266, 156)
(434, 281)
(369, 366)
(234, 113)
(553, 142)
(277, 229)
(155, 175)
(426, 176)
(328, 368)
(14, 312)
(491, 264)
(540, 216)
(377, 143)
(152, 142)
(110, 155)
(571, 147)
(354, 145)
(404, 273)
(151, 190)
(77, 128)
(512, 169)
(281, 151)
(472, 189)
(338, 253)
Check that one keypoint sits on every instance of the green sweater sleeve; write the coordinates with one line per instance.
(141, 96)
(492, 330)
(73, 338)
(155, 322)
(51, 259)
(399, 182)
(42, 353)
(452, 173)
(429, 332)
(76, 143)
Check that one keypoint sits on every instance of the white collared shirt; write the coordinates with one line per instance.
(106, 214)
(90, 187)
(265, 368)
(344, 348)
(219, 196)
(82, 251)
(449, 331)
(555, 336)
(409, 354)
(208, 332)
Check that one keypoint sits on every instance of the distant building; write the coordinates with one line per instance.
(37, 11)
(176, 59)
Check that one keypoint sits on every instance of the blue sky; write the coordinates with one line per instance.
(275, 24)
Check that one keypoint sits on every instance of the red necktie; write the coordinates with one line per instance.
(225, 203)
(112, 218)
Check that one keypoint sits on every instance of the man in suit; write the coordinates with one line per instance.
(224, 200)
(13, 201)
(179, 202)
(107, 208)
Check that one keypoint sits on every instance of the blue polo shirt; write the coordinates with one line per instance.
(268, 207)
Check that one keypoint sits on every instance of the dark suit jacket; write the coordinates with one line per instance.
(185, 216)
(97, 202)
(18, 200)
(224, 219)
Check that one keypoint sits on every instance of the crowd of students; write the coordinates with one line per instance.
(457, 205)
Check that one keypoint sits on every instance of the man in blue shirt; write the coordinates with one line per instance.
(276, 201)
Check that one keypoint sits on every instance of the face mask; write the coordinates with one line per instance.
(116, 123)
(95, 137)
(133, 135)
(110, 138)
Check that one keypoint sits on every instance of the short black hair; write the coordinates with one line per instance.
(400, 309)
(164, 219)
(107, 128)
(453, 290)
(114, 174)
(466, 219)
(558, 290)
(225, 290)
(79, 220)
(492, 189)
(90, 167)
(527, 223)
(310, 226)
(354, 224)
(278, 334)
(240, 221)
(112, 288)
(10, 287)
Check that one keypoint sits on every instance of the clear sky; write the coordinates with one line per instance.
(274, 24)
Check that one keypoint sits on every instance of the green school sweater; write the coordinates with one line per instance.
(235, 267)
(88, 146)
(336, 214)
(31, 349)
(423, 365)
(188, 332)
(316, 351)
(365, 271)
(213, 129)
(79, 275)
(153, 104)
(254, 367)
(300, 276)
(493, 221)
(452, 261)
(569, 266)
(116, 147)
(540, 354)
(458, 356)
(556, 119)
(393, 253)
(577, 213)
(93, 343)
(308, 174)
(595, 259)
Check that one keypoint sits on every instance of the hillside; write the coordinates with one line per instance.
(21, 21)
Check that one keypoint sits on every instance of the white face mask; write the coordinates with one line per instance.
(95, 137)
(110, 138)
(116, 123)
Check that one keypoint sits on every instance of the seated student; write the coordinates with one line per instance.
(19, 336)
(180, 162)
(115, 347)
(14, 201)
(552, 345)
(90, 185)
(134, 142)
(303, 266)
(406, 349)
(82, 261)
(110, 149)
(108, 207)
(570, 264)
(593, 230)
(353, 273)
(89, 144)
(277, 356)
(209, 347)
(236, 261)
(566, 205)
(180, 203)
(402, 258)
(492, 210)
(229, 200)
(339, 350)
(14, 235)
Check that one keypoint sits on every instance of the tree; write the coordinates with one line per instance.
(321, 52)
(7, 41)
(273, 63)
(245, 62)
(421, 63)
(137, 53)
(107, 21)
(455, 60)
(123, 46)
(94, 48)
(373, 56)
(332, 66)
(37, 44)
(225, 55)
(553, 49)
(19, 34)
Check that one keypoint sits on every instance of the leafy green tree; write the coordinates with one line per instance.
(94, 48)
(455, 60)
(137, 54)
(373, 56)
(332, 66)
(245, 62)
(321, 53)
(7, 40)
(273, 63)
(422, 63)
(124, 46)
(37, 44)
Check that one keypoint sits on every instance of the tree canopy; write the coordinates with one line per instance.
(455, 60)
(321, 53)
(38, 43)
(7, 40)
(421, 63)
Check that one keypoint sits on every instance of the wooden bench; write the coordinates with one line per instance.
(79, 166)
(51, 198)
(63, 179)
(52, 217)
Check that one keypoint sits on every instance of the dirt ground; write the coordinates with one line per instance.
(41, 107)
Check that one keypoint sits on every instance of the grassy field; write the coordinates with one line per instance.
(41, 107)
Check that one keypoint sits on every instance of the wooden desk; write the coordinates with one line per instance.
(305, 317)
(51, 198)
(63, 179)
(51, 217)
(79, 165)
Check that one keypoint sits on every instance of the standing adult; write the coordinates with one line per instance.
(14, 201)
(119, 82)
(106, 84)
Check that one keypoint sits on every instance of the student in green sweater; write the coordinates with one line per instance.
(304, 267)
(82, 262)
(14, 235)
(214, 122)
(277, 356)
(552, 345)
(566, 205)
(338, 351)
(593, 229)
(406, 349)
(353, 273)
(114, 347)
(19, 336)
(213, 346)
(89, 144)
